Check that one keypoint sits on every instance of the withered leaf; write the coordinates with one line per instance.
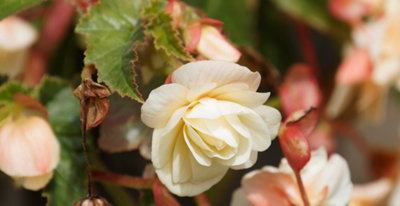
(94, 102)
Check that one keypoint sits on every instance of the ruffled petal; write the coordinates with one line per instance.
(195, 74)
(269, 187)
(162, 103)
(202, 178)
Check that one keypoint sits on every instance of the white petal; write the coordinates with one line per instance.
(242, 154)
(336, 176)
(162, 103)
(36, 183)
(202, 178)
(260, 136)
(163, 145)
(249, 163)
(196, 151)
(272, 118)
(235, 123)
(181, 170)
(195, 74)
(196, 92)
(240, 94)
(212, 109)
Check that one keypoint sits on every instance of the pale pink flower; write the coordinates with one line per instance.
(327, 183)
(29, 151)
(209, 42)
(16, 36)
(208, 119)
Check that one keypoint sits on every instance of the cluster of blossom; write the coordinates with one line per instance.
(208, 117)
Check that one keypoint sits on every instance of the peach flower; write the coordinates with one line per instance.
(326, 181)
(29, 151)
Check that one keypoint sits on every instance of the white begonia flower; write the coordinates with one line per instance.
(209, 119)
(326, 181)
(16, 36)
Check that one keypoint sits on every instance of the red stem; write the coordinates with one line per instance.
(202, 200)
(302, 189)
(123, 180)
(308, 48)
(57, 20)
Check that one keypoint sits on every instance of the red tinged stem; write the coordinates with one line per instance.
(308, 48)
(202, 200)
(123, 180)
(304, 196)
(57, 20)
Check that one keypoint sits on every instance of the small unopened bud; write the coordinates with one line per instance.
(295, 147)
(209, 42)
(92, 201)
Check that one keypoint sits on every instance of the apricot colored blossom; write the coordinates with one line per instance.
(326, 181)
(16, 36)
(208, 119)
(207, 40)
(29, 151)
(372, 65)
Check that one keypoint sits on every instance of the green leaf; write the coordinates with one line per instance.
(8, 7)
(165, 35)
(48, 87)
(113, 29)
(316, 14)
(68, 182)
(8, 90)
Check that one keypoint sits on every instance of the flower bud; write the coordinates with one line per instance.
(209, 42)
(29, 151)
(16, 36)
(92, 201)
(174, 8)
(295, 147)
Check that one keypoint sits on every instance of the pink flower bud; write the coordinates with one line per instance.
(209, 42)
(293, 137)
(29, 151)
(295, 147)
